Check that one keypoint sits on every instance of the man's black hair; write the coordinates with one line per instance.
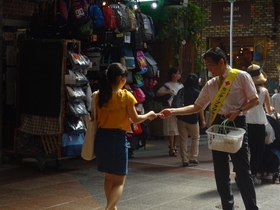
(216, 54)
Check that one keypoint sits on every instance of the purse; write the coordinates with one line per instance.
(88, 145)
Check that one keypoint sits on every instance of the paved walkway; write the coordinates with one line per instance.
(155, 181)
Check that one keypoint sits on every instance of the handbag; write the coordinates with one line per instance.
(88, 145)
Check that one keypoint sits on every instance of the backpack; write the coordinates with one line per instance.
(151, 64)
(146, 25)
(123, 21)
(127, 58)
(59, 18)
(132, 19)
(79, 11)
(109, 17)
(141, 62)
(82, 23)
(139, 94)
(178, 99)
(96, 15)
(138, 80)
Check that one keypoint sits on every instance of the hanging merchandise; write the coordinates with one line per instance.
(74, 125)
(142, 67)
(96, 15)
(151, 64)
(94, 55)
(146, 25)
(77, 109)
(138, 80)
(82, 24)
(132, 18)
(127, 58)
(109, 17)
(59, 18)
(78, 61)
(75, 93)
(139, 94)
(123, 21)
(72, 144)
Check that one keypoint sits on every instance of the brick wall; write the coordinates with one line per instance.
(262, 19)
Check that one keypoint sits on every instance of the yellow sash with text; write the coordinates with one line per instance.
(222, 94)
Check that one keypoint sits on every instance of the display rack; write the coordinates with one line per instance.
(41, 98)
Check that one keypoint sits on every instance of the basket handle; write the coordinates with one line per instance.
(224, 123)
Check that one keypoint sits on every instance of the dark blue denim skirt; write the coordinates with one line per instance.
(111, 151)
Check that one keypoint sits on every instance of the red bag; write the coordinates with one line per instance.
(109, 17)
(136, 128)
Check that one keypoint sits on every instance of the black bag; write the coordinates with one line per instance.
(123, 22)
(179, 99)
(152, 65)
(74, 125)
(163, 99)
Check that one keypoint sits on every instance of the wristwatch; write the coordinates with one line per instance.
(240, 111)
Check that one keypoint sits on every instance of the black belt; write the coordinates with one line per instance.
(223, 117)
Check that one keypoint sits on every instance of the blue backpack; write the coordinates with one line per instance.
(96, 15)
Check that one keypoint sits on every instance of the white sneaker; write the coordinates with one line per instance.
(256, 180)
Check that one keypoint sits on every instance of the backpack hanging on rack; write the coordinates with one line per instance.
(96, 15)
(132, 19)
(141, 62)
(81, 22)
(123, 22)
(127, 58)
(151, 64)
(59, 18)
(109, 17)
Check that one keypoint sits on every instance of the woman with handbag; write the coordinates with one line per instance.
(256, 121)
(114, 109)
(167, 92)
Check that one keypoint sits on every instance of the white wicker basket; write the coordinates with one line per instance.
(225, 138)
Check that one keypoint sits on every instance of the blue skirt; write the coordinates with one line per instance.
(111, 151)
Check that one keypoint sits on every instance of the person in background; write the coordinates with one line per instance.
(275, 100)
(242, 96)
(188, 124)
(170, 127)
(256, 120)
(114, 109)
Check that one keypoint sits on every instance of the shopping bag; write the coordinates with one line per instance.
(88, 145)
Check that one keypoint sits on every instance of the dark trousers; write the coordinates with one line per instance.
(240, 161)
(256, 139)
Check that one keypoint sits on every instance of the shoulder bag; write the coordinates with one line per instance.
(88, 145)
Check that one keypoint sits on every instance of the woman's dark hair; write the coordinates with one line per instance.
(191, 81)
(172, 70)
(108, 79)
(216, 54)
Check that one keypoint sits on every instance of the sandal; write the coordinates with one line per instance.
(172, 153)
(175, 148)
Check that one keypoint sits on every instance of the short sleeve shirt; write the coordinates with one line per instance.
(114, 115)
(242, 90)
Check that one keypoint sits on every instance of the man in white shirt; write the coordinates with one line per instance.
(242, 97)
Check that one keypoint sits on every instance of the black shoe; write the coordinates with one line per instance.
(186, 164)
(194, 161)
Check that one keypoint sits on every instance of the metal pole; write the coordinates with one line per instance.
(231, 26)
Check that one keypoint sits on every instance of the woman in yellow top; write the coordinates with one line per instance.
(115, 106)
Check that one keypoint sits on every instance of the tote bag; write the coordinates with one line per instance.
(88, 145)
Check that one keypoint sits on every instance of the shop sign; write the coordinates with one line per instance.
(221, 12)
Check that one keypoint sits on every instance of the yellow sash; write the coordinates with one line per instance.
(222, 94)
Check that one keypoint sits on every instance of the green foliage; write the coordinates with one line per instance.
(183, 24)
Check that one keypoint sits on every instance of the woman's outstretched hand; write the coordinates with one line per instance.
(152, 115)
